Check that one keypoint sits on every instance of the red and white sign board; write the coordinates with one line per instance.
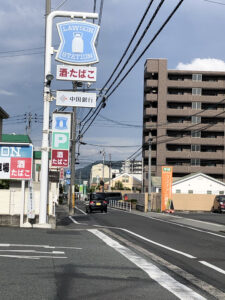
(16, 161)
(76, 73)
(60, 158)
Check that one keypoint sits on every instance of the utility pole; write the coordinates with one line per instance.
(149, 172)
(72, 166)
(110, 170)
(103, 169)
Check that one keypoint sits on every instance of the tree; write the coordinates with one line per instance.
(119, 185)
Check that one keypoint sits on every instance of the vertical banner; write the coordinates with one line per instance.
(166, 184)
(61, 126)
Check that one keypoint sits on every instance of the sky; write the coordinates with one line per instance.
(193, 39)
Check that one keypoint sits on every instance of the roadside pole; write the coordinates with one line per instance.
(72, 166)
(22, 202)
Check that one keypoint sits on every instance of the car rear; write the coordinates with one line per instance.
(97, 202)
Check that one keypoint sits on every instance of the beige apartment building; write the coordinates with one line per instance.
(184, 116)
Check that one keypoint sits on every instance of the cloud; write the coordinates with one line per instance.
(6, 93)
(203, 64)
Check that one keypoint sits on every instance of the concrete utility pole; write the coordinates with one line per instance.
(72, 166)
(103, 169)
(149, 172)
(110, 171)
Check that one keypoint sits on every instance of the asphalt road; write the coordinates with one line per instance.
(118, 255)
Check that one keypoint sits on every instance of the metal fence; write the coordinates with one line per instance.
(120, 205)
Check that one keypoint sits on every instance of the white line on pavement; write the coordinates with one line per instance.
(73, 220)
(169, 283)
(158, 244)
(39, 246)
(31, 257)
(212, 266)
(34, 251)
(81, 210)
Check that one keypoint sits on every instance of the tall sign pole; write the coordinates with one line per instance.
(49, 50)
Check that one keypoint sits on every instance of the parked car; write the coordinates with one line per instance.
(96, 201)
(219, 204)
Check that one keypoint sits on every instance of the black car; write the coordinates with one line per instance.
(96, 202)
(219, 204)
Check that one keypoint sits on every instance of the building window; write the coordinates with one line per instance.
(190, 191)
(195, 148)
(125, 178)
(195, 162)
(178, 191)
(195, 120)
(196, 105)
(196, 91)
(196, 134)
(221, 192)
(197, 77)
(209, 192)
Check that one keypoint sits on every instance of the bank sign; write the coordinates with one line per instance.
(61, 124)
(77, 43)
(16, 161)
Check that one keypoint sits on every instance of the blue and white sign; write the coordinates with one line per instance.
(77, 43)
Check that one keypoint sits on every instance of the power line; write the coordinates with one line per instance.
(149, 44)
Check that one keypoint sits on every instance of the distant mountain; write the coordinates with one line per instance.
(83, 174)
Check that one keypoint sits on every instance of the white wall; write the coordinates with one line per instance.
(199, 185)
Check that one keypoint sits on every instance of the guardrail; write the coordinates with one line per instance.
(120, 205)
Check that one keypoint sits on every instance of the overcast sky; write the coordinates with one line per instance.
(193, 39)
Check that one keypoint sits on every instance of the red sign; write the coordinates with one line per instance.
(60, 158)
(21, 168)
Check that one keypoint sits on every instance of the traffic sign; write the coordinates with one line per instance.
(77, 42)
(78, 99)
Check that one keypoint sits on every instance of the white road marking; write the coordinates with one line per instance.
(31, 257)
(169, 283)
(73, 220)
(81, 210)
(34, 251)
(212, 266)
(39, 246)
(158, 244)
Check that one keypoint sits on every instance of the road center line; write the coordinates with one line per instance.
(212, 266)
(165, 280)
(158, 244)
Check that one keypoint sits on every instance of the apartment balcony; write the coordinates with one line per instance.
(189, 112)
(150, 125)
(150, 97)
(150, 111)
(188, 140)
(198, 84)
(188, 154)
(194, 169)
(187, 125)
(153, 154)
(191, 98)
